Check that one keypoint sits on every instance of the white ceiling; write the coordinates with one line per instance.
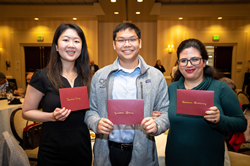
(151, 10)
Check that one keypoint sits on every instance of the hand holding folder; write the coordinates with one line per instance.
(194, 102)
(126, 111)
(74, 98)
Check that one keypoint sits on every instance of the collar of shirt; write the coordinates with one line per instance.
(128, 70)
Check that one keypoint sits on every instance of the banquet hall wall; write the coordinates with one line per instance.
(156, 36)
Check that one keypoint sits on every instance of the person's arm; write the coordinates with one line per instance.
(92, 117)
(17, 92)
(156, 114)
(232, 119)
(158, 125)
(30, 108)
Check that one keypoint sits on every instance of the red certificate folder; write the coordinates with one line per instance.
(126, 111)
(194, 102)
(74, 98)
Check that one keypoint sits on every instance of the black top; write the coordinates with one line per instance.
(95, 67)
(62, 142)
(162, 69)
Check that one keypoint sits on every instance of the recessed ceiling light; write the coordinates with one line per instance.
(74, 18)
(36, 18)
(139, 0)
(180, 18)
(112, 0)
(137, 12)
(116, 12)
(219, 18)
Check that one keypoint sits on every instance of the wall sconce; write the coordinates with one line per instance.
(170, 48)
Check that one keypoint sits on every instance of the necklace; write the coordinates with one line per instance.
(71, 80)
(70, 75)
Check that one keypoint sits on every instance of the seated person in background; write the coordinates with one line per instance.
(93, 67)
(28, 78)
(159, 66)
(4, 83)
(174, 69)
(233, 140)
(229, 82)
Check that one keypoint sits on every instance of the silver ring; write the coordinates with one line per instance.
(214, 120)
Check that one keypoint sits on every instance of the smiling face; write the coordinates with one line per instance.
(128, 51)
(69, 45)
(192, 72)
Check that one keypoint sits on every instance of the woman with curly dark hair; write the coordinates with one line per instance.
(199, 140)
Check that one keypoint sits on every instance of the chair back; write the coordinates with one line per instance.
(10, 152)
(17, 124)
(243, 98)
(13, 80)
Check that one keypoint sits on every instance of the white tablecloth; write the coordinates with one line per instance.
(5, 112)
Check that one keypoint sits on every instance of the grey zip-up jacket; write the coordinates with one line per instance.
(152, 87)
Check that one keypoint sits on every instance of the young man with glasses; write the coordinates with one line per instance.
(129, 77)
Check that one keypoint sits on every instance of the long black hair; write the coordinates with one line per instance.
(54, 67)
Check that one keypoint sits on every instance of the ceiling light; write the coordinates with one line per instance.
(137, 12)
(180, 18)
(36, 18)
(116, 12)
(112, 0)
(219, 18)
(74, 18)
(139, 0)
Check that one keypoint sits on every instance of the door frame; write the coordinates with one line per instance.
(234, 57)
(22, 54)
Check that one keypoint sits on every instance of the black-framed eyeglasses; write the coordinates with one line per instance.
(123, 41)
(194, 61)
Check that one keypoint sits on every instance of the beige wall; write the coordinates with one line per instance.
(156, 36)
(234, 33)
(14, 35)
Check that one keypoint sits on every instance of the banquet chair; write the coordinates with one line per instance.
(12, 80)
(11, 153)
(17, 124)
(243, 99)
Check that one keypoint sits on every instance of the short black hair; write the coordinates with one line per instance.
(2, 75)
(124, 26)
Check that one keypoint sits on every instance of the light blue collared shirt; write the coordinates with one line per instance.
(124, 88)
